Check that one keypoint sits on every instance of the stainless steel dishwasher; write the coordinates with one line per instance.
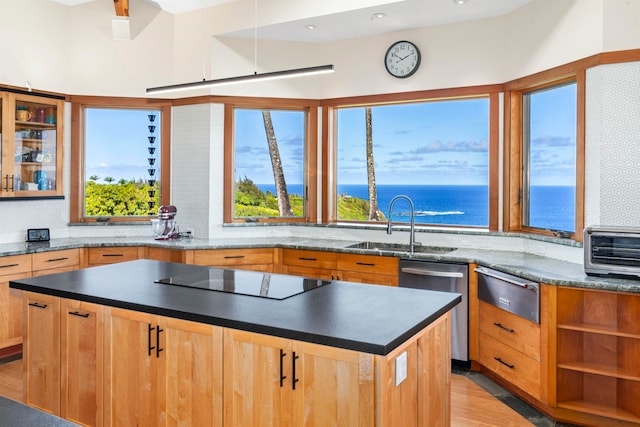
(443, 277)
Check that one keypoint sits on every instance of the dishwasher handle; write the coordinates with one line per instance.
(423, 272)
(505, 278)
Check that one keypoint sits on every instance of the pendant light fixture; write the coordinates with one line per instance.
(204, 83)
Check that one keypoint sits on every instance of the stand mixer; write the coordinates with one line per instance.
(165, 227)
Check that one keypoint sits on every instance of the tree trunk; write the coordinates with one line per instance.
(371, 175)
(284, 206)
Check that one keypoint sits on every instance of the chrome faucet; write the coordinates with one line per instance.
(412, 235)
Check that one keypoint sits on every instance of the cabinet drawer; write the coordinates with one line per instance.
(314, 259)
(370, 278)
(15, 264)
(367, 263)
(514, 331)
(56, 259)
(112, 255)
(513, 366)
(232, 257)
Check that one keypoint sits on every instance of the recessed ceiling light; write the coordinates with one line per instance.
(310, 27)
(460, 1)
(378, 15)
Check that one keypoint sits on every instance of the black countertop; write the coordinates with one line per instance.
(368, 318)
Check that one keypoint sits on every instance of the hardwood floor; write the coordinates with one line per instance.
(471, 405)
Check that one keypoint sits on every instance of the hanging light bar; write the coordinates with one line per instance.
(297, 72)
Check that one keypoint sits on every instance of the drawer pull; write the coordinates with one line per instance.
(112, 254)
(504, 363)
(307, 259)
(368, 264)
(9, 265)
(77, 313)
(503, 327)
(233, 256)
(424, 272)
(35, 304)
(58, 259)
(282, 376)
(509, 279)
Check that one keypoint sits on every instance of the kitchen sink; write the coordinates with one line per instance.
(398, 247)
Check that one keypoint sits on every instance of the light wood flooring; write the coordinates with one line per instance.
(471, 405)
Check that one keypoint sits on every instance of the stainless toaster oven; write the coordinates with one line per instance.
(613, 251)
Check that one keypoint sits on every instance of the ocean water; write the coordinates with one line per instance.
(552, 206)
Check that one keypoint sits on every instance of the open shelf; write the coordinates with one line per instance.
(601, 410)
(598, 369)
(598, 329)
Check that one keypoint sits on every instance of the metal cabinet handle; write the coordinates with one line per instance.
(368, 264)
(112, 254)
(282, 376)
(58, 259)
(499, 325)
(150, 347)
(77, 313)
(9, 265)
(423, 272)
(158, 349)
(35, 304)
(6, 182)
(293, 373)
(233, 256)
(522, 283)
(504, 363)
(307, 259)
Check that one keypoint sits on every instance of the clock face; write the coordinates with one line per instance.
(402, 59)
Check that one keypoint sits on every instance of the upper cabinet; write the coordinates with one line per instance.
(31, 150)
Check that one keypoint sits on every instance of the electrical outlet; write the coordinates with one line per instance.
(401, 368)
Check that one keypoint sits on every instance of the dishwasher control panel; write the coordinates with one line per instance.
(511, 293)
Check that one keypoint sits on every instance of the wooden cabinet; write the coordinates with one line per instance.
(272, 381)
(161, 371)
(111, 255)
(81, 362)
(372, 269)
(165, 254)
(509, 346)
(32, 148)
(12, 268)
(55, 261)
(256, 259)
(597, 352)
(41, 352)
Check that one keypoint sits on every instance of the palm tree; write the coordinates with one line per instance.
(371, 175)
(284, 206)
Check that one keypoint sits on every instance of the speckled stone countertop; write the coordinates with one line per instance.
(533, 267)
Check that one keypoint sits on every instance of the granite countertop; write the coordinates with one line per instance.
(528, 266)
(360, 317)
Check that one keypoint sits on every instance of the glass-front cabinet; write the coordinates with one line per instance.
(31, 128)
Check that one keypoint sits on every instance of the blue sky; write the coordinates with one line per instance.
(429, 143)
(118, 143)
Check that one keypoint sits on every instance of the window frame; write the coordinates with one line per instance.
(514, 168)
(310, 161)
(78, 106)
(329, 132)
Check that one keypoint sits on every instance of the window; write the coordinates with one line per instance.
(269, 152)
(544, 171)
(120, 171)
(437, 152)
(549, 157)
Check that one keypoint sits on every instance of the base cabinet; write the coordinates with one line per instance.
(161, 371)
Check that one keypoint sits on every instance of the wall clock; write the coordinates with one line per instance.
(402, 59)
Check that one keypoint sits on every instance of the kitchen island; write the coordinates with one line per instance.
(138, 351)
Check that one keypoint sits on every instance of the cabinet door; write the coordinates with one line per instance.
(192, 366)
(55, 261)
(111, 255)
(81, 362)
(131, 369)
(257, 382)
(41, 352)
(32, 146)
(12, 268)
(333, 387)
(258, 259)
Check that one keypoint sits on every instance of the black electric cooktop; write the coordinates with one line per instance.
(252, 283)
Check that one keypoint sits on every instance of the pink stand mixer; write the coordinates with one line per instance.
(165, 226)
